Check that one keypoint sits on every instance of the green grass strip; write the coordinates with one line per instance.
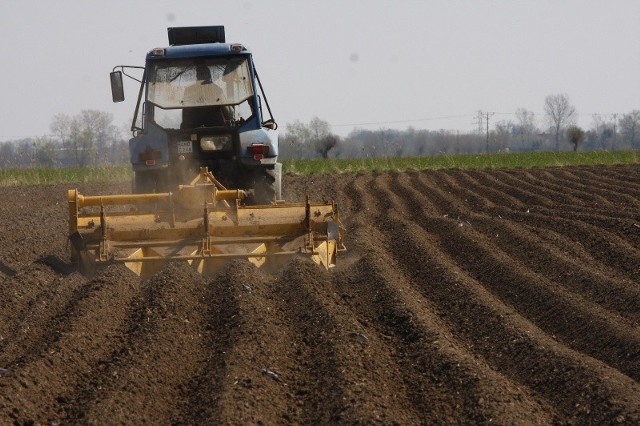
(71, 175)
(77, 175)
(467, 161)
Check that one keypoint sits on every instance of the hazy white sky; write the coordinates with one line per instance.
(356, 64)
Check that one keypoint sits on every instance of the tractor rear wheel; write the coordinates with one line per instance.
(263, 188)
(149, 182)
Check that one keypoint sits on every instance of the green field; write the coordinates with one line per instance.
(477, 161)
(71, 175)
(77, 175)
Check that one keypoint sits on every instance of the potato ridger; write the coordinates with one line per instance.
(203, 224)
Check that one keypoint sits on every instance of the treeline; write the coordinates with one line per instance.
(315, 139)
(415, 142)
(86, 139)
(49, 152)
(90, 139)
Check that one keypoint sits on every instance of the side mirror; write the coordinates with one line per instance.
(270, 124)
(117, 88)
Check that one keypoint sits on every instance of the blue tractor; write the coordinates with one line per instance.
(201, 104)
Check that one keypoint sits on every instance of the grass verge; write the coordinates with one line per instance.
(44, 176)
(71, 175)
(467, 161)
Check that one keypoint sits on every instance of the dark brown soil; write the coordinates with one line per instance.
(504, 296)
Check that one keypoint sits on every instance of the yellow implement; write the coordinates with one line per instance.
(203, 224)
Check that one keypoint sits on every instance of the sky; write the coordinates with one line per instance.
(357, 64)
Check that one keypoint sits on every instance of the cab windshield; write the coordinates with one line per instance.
(205, 82)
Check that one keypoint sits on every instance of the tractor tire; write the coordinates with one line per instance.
(264, 189)
(149, 182)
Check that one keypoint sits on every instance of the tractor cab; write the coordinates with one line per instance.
(200, 104)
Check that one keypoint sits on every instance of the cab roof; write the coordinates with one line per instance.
(198, 50)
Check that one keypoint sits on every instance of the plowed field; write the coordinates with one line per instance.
(502, 296)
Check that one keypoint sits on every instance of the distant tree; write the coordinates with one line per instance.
(575, 136)
(8, 156)
(326, 144)
(46, 152)
(81, 142)
(24, 152)
(99, 125)
(304, 140)
(298, 131)
(293, 143)
(85, 135)
(503, 132)
(319, 128)
(321, 137)
(560, 114)
(61, 127)
(630, 129)
(603, 128)
(525, 126)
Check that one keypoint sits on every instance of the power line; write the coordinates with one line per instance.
(15, 138)
(23, 136)
(402, 121)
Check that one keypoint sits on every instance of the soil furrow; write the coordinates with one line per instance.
(149, 368)
(601, 245)
(29, 322)
(620, 226)
(586, 192)
(415, 357)
(464, 297)
(617, 173)
(591, 329)
(43, 388)
(220, 319)
(564, 200)
(432, 362)
(566, 192)
(524, 353)
(468, 188)
(624, 206)
(627, 187)
(352, 370)
(260, 361)
(524, 247)
(554, 180)
(528, 197)
(321, 396)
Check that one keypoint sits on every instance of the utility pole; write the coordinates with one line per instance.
(488, 114)
(487, 133)
(613, 141)
(482, 118)
(479, 121)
